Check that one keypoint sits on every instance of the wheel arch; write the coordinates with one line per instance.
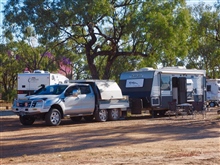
(59, 108)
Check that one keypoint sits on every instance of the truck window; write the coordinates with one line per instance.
(70, 90)
(84, 89)
(165, 82)
(52, 90)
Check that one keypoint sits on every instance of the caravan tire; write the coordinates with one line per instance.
(101, 115)
(162, 113)
(113, 114)
(53, 117)
(212, 104)
(27, 120)
(153, 113)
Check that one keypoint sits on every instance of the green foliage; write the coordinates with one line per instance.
(204, 48)
(101, 39)
(104, 31)
(9, 67)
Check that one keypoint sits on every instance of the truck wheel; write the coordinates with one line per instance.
(76, 119)
(212, 104)
(53, 117)
(113, 114)
(27, 120)
(101, 115)
(88, 118)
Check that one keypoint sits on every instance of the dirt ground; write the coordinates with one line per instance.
(139, 141)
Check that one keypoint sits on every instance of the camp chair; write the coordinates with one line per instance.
(198, 107)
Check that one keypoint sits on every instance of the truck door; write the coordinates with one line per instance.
(83, 103)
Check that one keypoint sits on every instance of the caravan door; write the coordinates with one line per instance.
(182, 90)
(179, 85)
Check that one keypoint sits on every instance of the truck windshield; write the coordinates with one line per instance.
(52, 90)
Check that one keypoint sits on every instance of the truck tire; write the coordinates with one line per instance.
(76, 119)
(101, 115)
(27, 120)
(53, 117)
(113, 114)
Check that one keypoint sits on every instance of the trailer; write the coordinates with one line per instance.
(28, 82)
(153, 89)
(213, 92)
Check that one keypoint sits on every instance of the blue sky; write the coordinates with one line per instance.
(1, 15)
(191, 2)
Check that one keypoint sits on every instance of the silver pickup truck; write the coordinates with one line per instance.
(101, 100)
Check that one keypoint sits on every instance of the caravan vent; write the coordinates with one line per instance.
(146, 69)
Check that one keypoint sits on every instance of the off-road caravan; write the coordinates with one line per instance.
(30, 82)
(152, 89)
(213, 92)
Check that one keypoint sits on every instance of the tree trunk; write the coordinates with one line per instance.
(108, 66)
(90, 57)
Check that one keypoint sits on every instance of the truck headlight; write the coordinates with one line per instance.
(48, 103)
(39, 103)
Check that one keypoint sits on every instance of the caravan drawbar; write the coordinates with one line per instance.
(152, 89)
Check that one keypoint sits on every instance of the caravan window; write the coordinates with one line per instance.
(165, 82)
(208, 88)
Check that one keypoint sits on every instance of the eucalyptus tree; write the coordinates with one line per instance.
(105, 30)
(204, 48)
(9, 67)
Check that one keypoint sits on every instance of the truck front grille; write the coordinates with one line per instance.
(28, 104)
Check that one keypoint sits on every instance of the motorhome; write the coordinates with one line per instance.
(213, 92)
(153, 89)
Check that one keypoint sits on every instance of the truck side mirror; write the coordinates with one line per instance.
(75, 92)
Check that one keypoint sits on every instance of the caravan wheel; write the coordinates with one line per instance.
(153, 113)
(162, 113)
(114, 114)
(212, 104)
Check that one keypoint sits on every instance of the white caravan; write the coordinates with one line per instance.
(153, 89)
(30, 82)
(213, 92)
